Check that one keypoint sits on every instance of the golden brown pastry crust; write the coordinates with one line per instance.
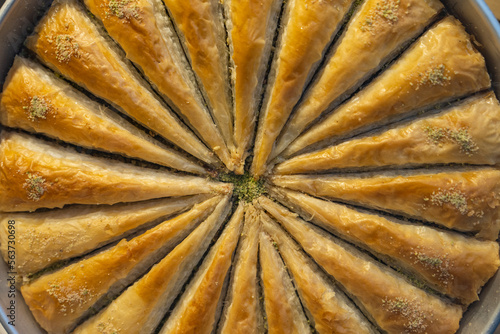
(140, 308)
(251, 26)
(196, 309)
(242, 312)
(373, 36)
(45, 238)
(36, 174)
(442, 65)
(137, 27)
(465, 134)
(59, 299)
(70, 43)
(309, 26)
(35, 100)
(283, 310)
(452, 264)
(467, 201)
(200, 26)
(329, 310)
(395, 305)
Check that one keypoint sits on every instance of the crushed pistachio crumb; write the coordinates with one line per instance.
(246, 187)
(68, 297)
(415, 319)
(436, 76)
(440, 266)
(386, 10)
(431, 261)
(66, 48)
(464, 140)
(106, 328)
(123, 9)
(452, 196)
(35, 186)
(460, 137)
(37, 108)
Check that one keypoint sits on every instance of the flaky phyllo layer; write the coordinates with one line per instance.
(242, 166)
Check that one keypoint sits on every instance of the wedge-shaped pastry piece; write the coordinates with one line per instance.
(37, 174)
(60, 299)
(251, 27)
(308, 28)
(374, 34)
(70, 43)
(467, 201)
(394, 304)
(284, 313)
(140, 308)
(464, 134)
(449, 262)
(144, 31)
(441, 66)
(327, 307)
(196, 310)
(201, 30)
(242, 312)
(45, 238)
(34, 99)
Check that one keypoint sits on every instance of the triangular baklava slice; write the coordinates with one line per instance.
(308, 27)
(284, 313)
(140, 308)
(463, 200)
(200, 26)
(328, 308)
(251, 28)
(43, 238)
(242, 311)
(463, 134)
(34, 99)
(197, 310)
(68, 41)
(392, 302)
(450, 263)
(38, 174)
(442, 65)
(60, 299)
(376, 32)
(144, 31)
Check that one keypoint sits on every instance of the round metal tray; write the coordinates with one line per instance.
(17, 19)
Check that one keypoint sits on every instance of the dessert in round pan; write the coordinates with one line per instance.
(249, 166)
